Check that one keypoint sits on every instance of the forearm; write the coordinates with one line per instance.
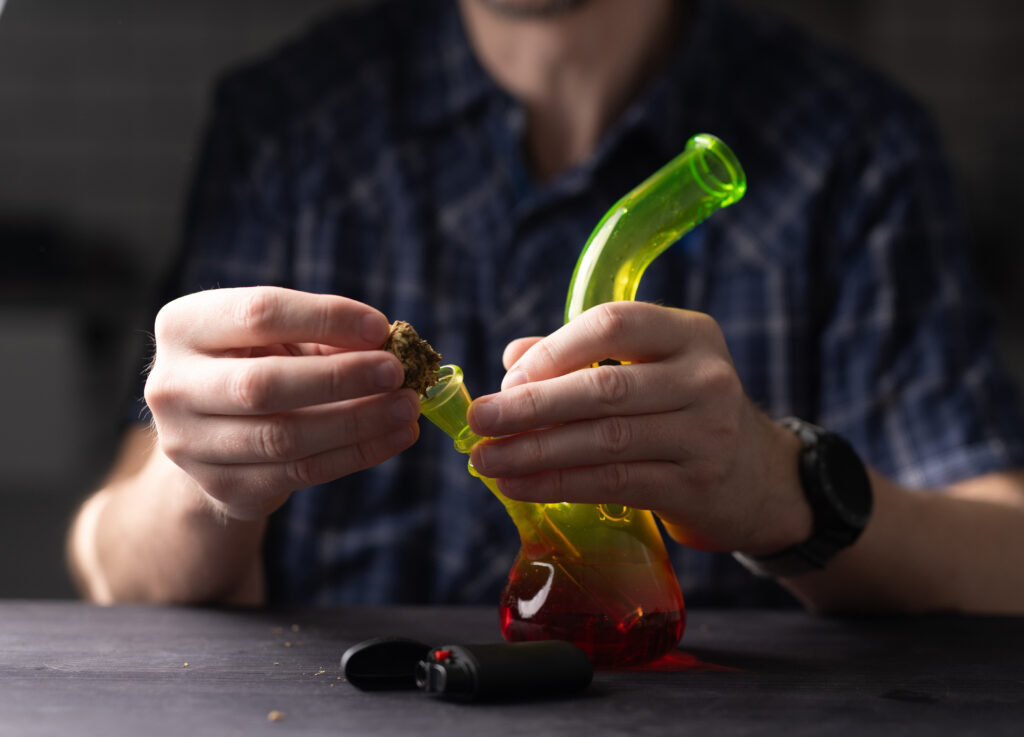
(151, 536)
(952, 551)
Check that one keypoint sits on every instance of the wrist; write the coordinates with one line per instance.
(785, 518)
(181, 495)
(174, 493)
(838, 492)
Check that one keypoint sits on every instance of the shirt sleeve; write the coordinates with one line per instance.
(910, 369)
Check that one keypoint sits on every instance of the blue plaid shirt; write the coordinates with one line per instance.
(375, 159)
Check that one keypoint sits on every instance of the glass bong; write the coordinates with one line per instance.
(599, 575)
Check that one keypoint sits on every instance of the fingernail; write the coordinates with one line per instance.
(374, 329)
(487, 459)
(483, 415)
(476, 457)
(405, 410)
(515, 377)
(388, 375)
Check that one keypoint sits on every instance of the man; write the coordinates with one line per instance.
(444, 164)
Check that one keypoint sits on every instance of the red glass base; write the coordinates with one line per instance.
(618, 614)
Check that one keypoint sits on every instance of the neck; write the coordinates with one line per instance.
(573, 71)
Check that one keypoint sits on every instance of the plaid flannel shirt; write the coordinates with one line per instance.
(374, 158)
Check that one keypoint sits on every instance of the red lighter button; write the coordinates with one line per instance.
(442, 655)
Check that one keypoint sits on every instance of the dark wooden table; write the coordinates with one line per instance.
(72, 669)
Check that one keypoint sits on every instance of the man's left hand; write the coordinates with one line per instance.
(671, 429)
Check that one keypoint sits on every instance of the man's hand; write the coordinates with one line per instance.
(672, 431)
(259, 391)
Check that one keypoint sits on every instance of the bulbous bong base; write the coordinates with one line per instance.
(555, 599)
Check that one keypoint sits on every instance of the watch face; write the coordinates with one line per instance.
(844, 481)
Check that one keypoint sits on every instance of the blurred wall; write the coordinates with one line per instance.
(101, 102)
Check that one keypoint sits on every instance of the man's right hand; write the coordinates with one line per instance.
(259, 391)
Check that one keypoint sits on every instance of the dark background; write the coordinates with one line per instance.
(101, 103)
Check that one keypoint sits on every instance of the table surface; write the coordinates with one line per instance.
(71, 668)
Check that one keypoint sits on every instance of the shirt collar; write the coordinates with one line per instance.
(446, 82)
(667, 110)
(442, 78)
(673, 107)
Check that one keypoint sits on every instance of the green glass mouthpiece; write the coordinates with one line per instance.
(705, 177)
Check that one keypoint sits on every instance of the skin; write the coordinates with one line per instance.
(254, 393)
(258, 392)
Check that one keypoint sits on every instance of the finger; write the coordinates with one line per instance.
(515, 349)
(641, 485)
(610, 439)
(242, 485)
(289, 436)
(257, 386)
(635, 389)
(627, 331)
(650, 485)
(221, 319)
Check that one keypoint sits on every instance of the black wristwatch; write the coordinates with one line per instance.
(839, 493)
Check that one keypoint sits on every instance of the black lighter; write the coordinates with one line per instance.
(469, 672)
(505, 670)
